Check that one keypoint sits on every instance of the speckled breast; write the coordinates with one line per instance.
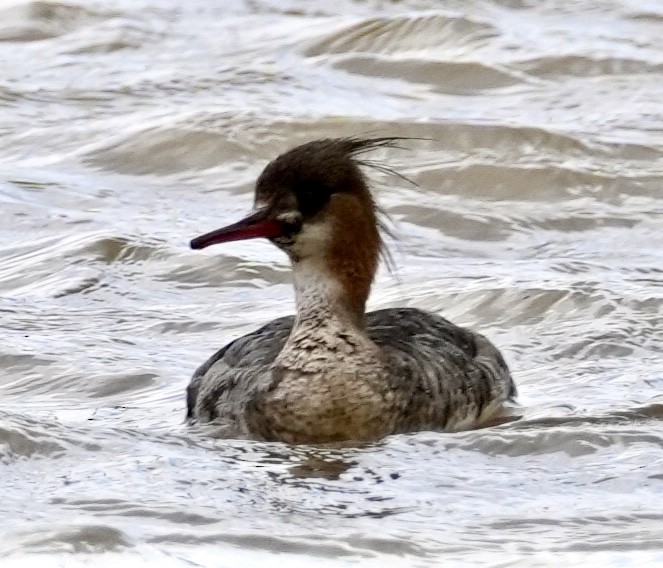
(336, 405)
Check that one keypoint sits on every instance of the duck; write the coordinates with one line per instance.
(332, 372)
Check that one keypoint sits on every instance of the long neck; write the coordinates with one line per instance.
(327, 295)
(333, 277)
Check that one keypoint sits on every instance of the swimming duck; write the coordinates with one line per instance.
(333, 372)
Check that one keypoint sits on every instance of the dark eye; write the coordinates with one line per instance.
(311, 198)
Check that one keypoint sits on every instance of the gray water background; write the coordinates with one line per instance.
(127, 128)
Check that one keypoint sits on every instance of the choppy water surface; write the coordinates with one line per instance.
(536, 218)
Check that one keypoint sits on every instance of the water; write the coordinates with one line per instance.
(130, 127)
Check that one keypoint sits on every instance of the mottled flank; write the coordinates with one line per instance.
(436, 376)
(334, 373)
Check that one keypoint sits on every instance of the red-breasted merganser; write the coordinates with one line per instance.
(332, 372)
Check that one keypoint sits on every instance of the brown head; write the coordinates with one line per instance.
(313, 202)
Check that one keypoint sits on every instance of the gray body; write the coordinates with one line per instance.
(413, 371)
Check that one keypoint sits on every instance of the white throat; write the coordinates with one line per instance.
(318, 294)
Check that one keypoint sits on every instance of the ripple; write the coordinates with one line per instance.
(500, 182)
(584, 66)
(124, 383)
(448, 77)
(35, 267)
(22, 437)
(118, 33)
(162, 150)
(405, 33)
(87, 539)
(36, 20)
(454, 223)
(573, 439)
